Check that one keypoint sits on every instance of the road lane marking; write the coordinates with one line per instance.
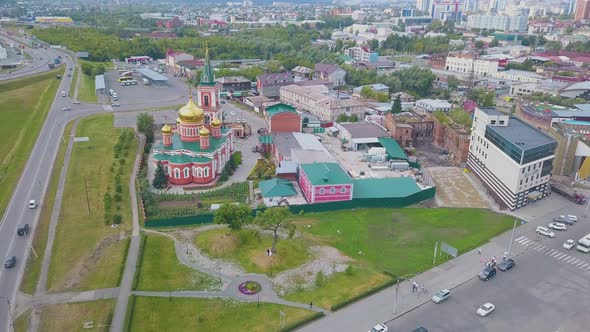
(525, 242)
(569, 260)
(585, 266)
(580, 263)
(562, 256)
(520, 238)
(575, 261)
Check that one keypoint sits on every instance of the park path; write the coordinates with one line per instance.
(132, 254)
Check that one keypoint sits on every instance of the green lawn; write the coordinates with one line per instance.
(402, 241)
(21, 324)
(24, 104)
(87, 253)
(184, 314)
(86, 91)
(73, 85)
(31, 275)
(162, 271)
(71, 317)
(248, 249)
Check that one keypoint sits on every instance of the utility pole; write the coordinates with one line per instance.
(512, 237)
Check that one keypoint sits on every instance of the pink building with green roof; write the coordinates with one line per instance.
(325, 182)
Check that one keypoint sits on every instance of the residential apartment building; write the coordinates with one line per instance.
(516, 23)
(269, 85)
(235, 84)
(513, 160)
(329, 72)
(324, 106)
(582, 10)
(467, 63)
(362, 54)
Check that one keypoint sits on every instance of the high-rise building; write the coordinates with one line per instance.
(446, 10)
(582, 10)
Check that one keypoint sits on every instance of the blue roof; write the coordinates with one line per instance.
(152, 75)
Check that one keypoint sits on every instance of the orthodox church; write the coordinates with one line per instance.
(196, 149)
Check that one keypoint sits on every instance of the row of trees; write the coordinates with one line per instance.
(272, 219)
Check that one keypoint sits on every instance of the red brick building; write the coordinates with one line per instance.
(408, 128)
(282, 118)
(452, 137)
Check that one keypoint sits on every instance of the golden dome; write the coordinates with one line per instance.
(216, 123)
(166, 129)
(191, 112)
(204, 131)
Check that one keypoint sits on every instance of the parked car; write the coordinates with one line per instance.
(487, 273)
(420, 329)
(10, 262)
(485, 309)
(32, 204)
(22, 230)
(65, 109)
(115, 104)
(441, 296)
(379, 328)
(569, 244)
(564, 220)
(506, 265)
(572, 217)
(557, 226)
(545, 232)
(76, 102)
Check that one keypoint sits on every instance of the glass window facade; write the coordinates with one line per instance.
(547, 167)
(539, 152)
(509, 148)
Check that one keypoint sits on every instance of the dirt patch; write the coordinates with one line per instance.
(453, 189)
(263, 261)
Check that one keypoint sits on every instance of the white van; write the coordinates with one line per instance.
(63, 94)
(146, 81)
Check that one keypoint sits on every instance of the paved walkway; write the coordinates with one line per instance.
(133, 253)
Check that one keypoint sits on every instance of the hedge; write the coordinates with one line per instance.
(124, 260)
(361, 296)
(296, 325)
(129, 313)
(142, 240)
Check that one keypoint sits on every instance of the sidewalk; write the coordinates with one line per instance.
(379, 308)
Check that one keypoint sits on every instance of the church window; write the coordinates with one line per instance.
(332, 190)
(176, 173)
(194, 171)
(206, 100)
(186, 172)
(206, 172)
(199, 172)
(322, 191)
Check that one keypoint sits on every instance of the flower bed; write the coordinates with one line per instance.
(250, 288)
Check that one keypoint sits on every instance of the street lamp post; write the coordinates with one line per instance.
(512, 238)
(397, 289)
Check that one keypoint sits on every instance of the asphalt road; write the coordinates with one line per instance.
(41, 57)
(548, 290)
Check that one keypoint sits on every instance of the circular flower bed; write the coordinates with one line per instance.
(250, 287)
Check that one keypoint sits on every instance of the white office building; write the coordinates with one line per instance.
(518, 23)
(513, 160)
(467, 63)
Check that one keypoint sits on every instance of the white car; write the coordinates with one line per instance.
(545, 232)
(485, 309)
(441, 296)
(32, 204)
(569, 244)
(76, 102)
(572, 217)
(379, 328)
(65, 109)
(557, 226)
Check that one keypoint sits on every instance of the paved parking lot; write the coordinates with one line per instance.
(140, 94)
(453, 189)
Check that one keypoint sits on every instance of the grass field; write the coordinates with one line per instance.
(73, 85)
(24, 104)
(86, 91)
(183, 314)
(161, 269)
(87, 253)
(31, 275)
(248, 249)
(71, 317)
(21, 324)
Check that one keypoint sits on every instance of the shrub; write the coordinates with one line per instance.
(118, 197)
(320, 279)
(117, 218)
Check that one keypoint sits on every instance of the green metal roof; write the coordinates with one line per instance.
(207, 76)
(325, 174)
(276, 188)
(279, 108)
(384, 187)
(181, 159)
(177, 144)
(265, 139)
(393, 149)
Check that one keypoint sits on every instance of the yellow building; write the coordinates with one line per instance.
(63, 20)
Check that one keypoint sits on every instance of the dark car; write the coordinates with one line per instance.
(22, 230)
(506, 265)
(420, 329)
(10, 262)
(487, 273)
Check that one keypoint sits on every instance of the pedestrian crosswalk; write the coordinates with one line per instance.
(580, 263)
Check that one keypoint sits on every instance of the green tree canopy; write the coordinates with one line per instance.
(274, 219)
(234, 216)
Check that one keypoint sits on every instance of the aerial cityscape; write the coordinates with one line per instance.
(315, 165)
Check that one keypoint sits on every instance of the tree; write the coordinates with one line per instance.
(145, 123)
(373, 44)
(483, 97)
(160, 180)
(479, 45)
(495, 43)
(274, 219)
(397, 105)
(87, 69)
(453, 82)
(234, 216)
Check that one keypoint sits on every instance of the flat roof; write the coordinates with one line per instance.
(521, 134)
(364, 130)
(284, 142)
(99, 82)
(491, 111)
(583, 107)
(384, 187)
(152, 75)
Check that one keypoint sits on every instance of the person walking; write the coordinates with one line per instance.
(310, 305)
(479, 251)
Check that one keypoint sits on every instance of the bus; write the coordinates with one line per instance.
(584, 244)
(121, 71)
(130, 82)
(124, 78)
